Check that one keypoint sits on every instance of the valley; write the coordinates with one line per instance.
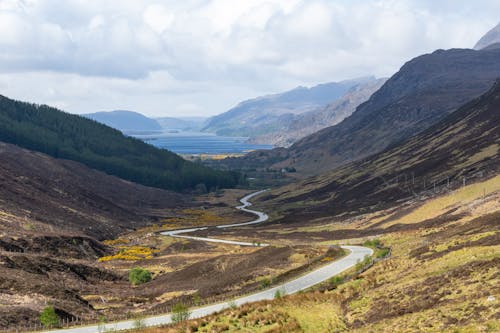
(366, 203)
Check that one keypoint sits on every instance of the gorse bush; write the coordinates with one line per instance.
(49, 317)
(139, 275)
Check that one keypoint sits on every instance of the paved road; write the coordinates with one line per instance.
(357, 253)
(261, 217)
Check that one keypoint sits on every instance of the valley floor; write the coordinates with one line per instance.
(442, 275)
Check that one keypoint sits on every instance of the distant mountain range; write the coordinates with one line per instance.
(304, 124)
(125, 121)
(131, 121)
(273, 113)
(492, 37)
(420, 94)
(185, 124)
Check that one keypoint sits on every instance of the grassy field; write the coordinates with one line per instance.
(442, 276)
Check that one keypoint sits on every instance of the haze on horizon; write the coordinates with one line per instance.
(201, 57)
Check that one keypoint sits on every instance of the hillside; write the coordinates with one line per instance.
(272, 113)
(307, 123)
(423, 92)
(460, 149)
(43, 194)
(62, 135)
(125, 121)
(185, 124)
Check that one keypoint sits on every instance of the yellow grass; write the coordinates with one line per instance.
(438, 206)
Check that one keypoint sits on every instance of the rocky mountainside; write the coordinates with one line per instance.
(125, 121)
(39, 194)
(307, 123)
(490, 38)
(272, 113)
(458, 150)
(423, 92)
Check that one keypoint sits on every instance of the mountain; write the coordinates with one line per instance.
(185, 124)
(62, 135)
(420, 94)
(271, 113)
(125, 121)
(44, 194)
(463, 147)
(491, 37)
(310, 122)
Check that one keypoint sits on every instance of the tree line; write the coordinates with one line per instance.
(62, 135)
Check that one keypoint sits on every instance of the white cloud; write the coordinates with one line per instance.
(203, 56)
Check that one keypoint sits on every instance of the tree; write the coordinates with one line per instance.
(49, 317)
(139, 275)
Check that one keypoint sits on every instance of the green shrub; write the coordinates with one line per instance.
(279, 293)
(382, 253)
(335, 281)
(372, 243)
(180, 312)
(139, 275)
(264, 283)
(49, 317)
(139, 323)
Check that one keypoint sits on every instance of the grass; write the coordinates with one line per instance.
(440, 205)
(446, 292)
(131, 253)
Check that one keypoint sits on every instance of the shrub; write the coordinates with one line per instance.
(279, 293)
(372, 243)
(335, 281)
(180, 312)
(139, 275)
(382, 253)
(49, 317)
(139, 323)
(264, 283)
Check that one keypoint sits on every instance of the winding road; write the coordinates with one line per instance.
(357, 253)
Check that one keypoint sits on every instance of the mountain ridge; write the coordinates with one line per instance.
(462, 147)
(124, 120)
(266, 114)
(421, 93)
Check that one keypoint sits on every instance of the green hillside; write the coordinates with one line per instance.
(62, 135)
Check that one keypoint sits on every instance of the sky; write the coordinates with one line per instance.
(202, 57)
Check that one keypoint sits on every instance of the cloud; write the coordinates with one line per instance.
(209, 54)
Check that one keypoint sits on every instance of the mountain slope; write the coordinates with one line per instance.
(125, 121)
(43, 193)
(310, 122)
(267, 114)
(463, 146)
(186, 124)
(423, 92)
(491, 37)
(62, 135)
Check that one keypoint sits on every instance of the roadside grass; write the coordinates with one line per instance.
(427, 285)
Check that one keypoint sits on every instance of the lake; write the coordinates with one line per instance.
(199, 143)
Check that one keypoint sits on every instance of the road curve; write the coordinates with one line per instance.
(261, 217)
(357, 253)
